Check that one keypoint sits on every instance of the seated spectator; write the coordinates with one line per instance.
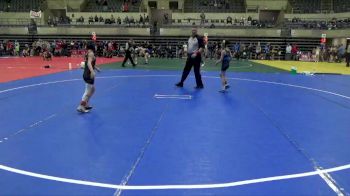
(91, 20)
(119, 20)
(249, 18)
(81, 19)
(126, 20)
(229, 20)
(101, 19)
(132, 20)
(141, 21)
(112, 20)
(96, 18)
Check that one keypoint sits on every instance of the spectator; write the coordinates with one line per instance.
(166, 18)
(119, 20)
(258, 51)
(101, 19)
(132, 20)
(141, 21)
(126, 20)
(250, 51)
(229, 20)
(91, 20)
(317, 54)
(96, 18)
(341, 53)
(202, 16)
(2, 48)
(348, 56)
(112, 19)
(249, 18)
(288, 52)
(16, 48)
(295, 51)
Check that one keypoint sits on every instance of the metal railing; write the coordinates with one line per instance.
(18, 21)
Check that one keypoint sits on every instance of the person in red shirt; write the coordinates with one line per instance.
(294, 52)
(10, 48)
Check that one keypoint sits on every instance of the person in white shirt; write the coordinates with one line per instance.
(288, 52)
(195, 48)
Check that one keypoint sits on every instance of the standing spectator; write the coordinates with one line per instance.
(295, 52)
(348, 55)
(16, 48)
(237, 48)
(10, 48)
(202, 16)
(267, 51)
(317, 54)
(288, 52)
(258, 51)
(141, 21)
(279, 52)
(166, 18)
(2, 48)
(250, 51)
(341, 53)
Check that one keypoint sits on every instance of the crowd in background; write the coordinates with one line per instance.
(245, 51)
(142, 20)
(332, 24)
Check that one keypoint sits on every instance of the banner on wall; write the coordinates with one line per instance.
(34, 14)
(323, 38)
(93, 36)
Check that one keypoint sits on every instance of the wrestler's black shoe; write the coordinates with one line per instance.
(180, 84)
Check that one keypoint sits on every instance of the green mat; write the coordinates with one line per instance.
(178, 64)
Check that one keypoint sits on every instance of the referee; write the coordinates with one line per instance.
(128, 49)
(195, 47)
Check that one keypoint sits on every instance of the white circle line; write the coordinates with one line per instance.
(163, 187)
(159, 187)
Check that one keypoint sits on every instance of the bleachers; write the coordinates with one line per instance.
(305, 44)
(212, 6)
(306, 6)
(341, 5)
(111, 6)
(20, 5)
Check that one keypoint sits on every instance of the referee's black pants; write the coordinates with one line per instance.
(128, 56)
(196, 63)
(347, 58)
